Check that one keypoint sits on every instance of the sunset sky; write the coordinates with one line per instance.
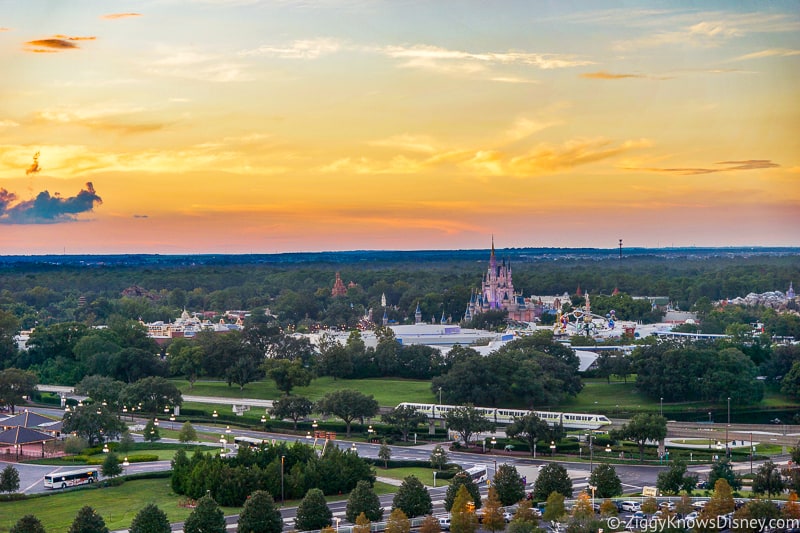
(236, 126)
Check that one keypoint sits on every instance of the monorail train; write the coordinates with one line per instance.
(507, 416)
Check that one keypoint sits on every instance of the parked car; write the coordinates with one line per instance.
(508, 516)
(667, 506)
(444, 523)
(631, 506)
(691, 517)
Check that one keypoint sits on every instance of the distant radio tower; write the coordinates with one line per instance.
(620, 249)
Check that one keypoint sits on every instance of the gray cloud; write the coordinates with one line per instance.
(46, 209)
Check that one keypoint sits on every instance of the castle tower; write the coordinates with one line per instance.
(338, 287)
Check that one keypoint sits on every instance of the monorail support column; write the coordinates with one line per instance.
(431, 427)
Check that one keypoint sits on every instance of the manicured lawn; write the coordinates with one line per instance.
(425, 475)
(388, 392)
(117, 505)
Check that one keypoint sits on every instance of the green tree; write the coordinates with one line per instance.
(605, 478)
(313, 512)
(412, 498)
(101, 389)
(15, 384)
(287, 374)
(438, 457)
(508, 484)
(554, 509)
(293, 407)
(385, 453)
(185, 360)
(405, 419)
(642, 428)
(462, 515)
(88, 521)
(154, 394)
(125, 441)
(364, 500)
(768, 480)
(552, 478)
(9, 479)
(93, 423)
(150, 432)
(529, 428)
(459, 480)
(150, 519)
(206, 517)
(245, 369)
(348, 405)
(493, 519)
(111, 466)
(398, 522)
(675, 479)
(27, 524)
(187, 433)
(260, 515)
(466, 421)
(722, 469)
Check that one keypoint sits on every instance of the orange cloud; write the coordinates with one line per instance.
(603, 75)
(750, 164)
(57, 43)
(113, 16)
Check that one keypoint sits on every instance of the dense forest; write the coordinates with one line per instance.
(90, 291)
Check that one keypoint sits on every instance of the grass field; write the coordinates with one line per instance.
(425, 475)
(386, 391)
(117, 505)
(615, 399)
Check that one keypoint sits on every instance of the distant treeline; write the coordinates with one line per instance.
(38, 293)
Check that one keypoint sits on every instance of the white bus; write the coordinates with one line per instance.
(70, 478)
(478, 474)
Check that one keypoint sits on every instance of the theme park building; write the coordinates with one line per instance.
(497, 293)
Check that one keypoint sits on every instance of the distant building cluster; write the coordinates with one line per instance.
(189, 325)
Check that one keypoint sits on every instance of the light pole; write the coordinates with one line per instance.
(493, 441)
(353, 448)
(592, 488)
(534, 449)
(591, 457)
(552, 448)
(434, 479)
(727, 449)
(661, 407)
(283, 498)
(440, 396)
(370, 431)
(752, 452)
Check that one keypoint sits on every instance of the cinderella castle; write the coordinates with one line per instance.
(497, 293)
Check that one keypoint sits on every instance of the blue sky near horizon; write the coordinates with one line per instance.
(239, 126)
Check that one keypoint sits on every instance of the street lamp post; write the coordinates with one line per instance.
(727, 448)
(493, 441)
(752, 452)
(552, 448)
(434, 479)
(592, 488)
(591, 455)
(283, 497)
(661, 409)
(370, 431)
(534, 449)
